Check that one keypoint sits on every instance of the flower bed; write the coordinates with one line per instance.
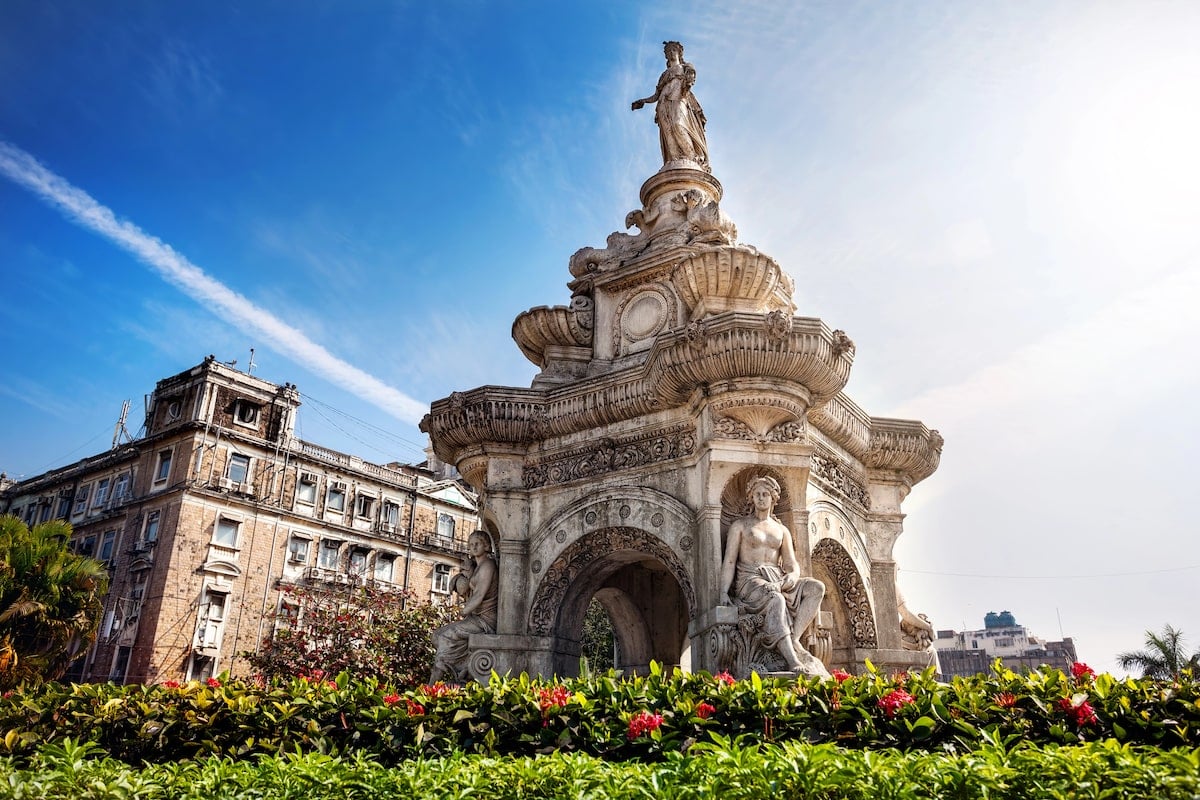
(605, 716)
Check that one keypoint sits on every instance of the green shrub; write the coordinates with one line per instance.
(613, 718)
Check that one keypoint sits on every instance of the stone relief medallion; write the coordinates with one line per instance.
(625, 512)
(642, 316)
(656, 520)
(560, 537)
(591, 553)
(536, 566)
(685, 543)
(590, 518)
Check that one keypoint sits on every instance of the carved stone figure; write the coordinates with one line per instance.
(476, 583)
(761, 568)
(916, 632)
(678, 114)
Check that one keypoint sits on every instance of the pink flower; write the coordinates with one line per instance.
(724, 677)
(895, 700)
(705, 710)
(391, 699)
(415, 709)
(213, 683)
(170, 684)
(840, 675)
(438, 689)
(1081, 671)
(1005, 699)
(643, 722)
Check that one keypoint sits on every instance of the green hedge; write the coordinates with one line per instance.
(729, 770)
(613, 718)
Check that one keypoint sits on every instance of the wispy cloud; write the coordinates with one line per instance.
(79, 207)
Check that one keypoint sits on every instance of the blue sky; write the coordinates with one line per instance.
(998, 203)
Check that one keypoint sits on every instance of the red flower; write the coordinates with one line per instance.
(391, 699)
(643, 722)
(438, 689)
(1081, 671)
(724, 677)
(840, 675)
(415, 709)
(1005, 699)
(213, 683)
(554, 697)
(895, 700)
(705, 710)
(170, 684)
(1083, 714)
(331, 684)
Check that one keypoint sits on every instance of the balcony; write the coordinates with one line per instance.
(444, 544)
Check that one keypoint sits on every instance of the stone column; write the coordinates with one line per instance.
(885, 523)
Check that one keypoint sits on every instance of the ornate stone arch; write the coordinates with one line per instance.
(585, 562)
(848, 585)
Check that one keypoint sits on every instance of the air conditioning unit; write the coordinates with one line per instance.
(339, 486)
(308, 477)
(296, 558)
(224, 483)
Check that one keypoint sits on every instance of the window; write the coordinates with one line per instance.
(81, 498)
(329, 554)
(441, 578)
(306, 488)
(201, 668)
(120, 665)
(214, 608)
(64, 506)
(226, 532)
(335, 498)
(297, 550)
(45, 506)
(137, 593)
(239, 468)
(445, 527)
(358, 562)
(88, 546)
(391, 516)
(364, 505)
(245, 413)
(384, 567)
(108, 544)
(121, 488)
(150, 531)
(163, 470)
(101, 493)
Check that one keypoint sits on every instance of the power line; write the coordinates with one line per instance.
(363, 442)
(369, 426)
(1050, 577)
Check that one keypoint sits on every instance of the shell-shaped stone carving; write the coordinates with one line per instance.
(733, 279)
(545, 326)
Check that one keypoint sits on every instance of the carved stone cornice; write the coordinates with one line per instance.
(904, 446)
(736, 346)
(542, 327)
(611, 455)
(844, 423)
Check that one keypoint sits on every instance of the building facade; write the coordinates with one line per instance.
(207, 520)
(972, 652)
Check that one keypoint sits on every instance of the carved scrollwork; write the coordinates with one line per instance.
(854, 594)
(731, 428)
(838, 477)
(610, 455)
(480, 665)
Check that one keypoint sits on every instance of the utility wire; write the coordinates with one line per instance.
(369, 426)
(363, 442)
(1050, 577)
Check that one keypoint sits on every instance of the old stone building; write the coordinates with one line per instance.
(966, 653)
(206, 518)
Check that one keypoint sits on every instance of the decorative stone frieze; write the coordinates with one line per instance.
(850, 585)
(838, 478)
(611, 455)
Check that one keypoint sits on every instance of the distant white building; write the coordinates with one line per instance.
(971, 652)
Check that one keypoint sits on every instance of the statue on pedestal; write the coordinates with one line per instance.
(760, 567)
(678, 114)
(476, 584)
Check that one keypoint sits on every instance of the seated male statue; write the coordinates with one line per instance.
(761, 569)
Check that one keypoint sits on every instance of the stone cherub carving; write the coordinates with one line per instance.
(677, 112)
(760, 567)
(476, 584)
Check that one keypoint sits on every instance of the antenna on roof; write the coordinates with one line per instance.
(119, 429)
(250, 366)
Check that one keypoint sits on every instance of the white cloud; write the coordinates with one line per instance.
(79, 207)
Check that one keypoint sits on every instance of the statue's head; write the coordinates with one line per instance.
(672, 47)
(769, 483)
(479, 543)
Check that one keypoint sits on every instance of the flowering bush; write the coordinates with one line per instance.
(895, 700)
(644, 722)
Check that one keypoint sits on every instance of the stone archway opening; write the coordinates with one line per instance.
(847, 599)
(636, 579)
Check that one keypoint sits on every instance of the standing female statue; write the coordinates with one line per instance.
(678, 114)
(476, 583)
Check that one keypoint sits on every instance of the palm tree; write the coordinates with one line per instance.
(50, 601)
(1164, 657)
